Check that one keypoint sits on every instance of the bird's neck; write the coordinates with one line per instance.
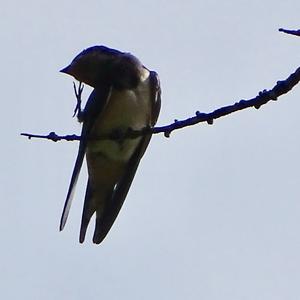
(127, 72)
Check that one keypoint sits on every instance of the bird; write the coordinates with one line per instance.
(126, 95)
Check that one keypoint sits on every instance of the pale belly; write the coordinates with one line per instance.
(125, 109)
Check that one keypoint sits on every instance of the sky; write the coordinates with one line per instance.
(213, 212)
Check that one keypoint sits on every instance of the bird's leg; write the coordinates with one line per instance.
(78, 93)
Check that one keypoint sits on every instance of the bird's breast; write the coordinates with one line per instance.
(124, 109)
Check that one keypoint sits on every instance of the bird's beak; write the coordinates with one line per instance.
(66, 70)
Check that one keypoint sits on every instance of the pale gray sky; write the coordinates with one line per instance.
(214, 211)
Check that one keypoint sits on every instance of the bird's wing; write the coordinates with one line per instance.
(94, 106)
(156, 96)
(111, 211)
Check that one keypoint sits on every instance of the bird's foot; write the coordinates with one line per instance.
(78, 92)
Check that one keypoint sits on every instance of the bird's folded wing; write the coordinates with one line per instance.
(93, 108)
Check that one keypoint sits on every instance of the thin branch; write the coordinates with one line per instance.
(293, 32)
(53, 137)
(281, 87)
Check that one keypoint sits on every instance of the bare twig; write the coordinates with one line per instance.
(281, 87)
(293, 32)
(53, 137)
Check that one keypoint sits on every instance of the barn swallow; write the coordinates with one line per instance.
(126, 95)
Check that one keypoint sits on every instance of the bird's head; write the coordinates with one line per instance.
(99, 65)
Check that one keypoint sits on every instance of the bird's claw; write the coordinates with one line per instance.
(78, 93)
